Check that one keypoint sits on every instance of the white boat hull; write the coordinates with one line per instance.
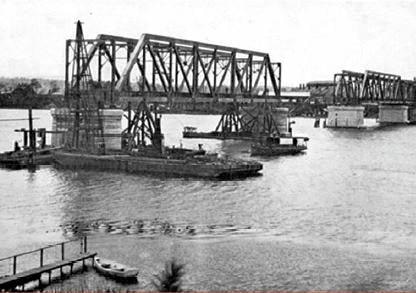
(115, 270)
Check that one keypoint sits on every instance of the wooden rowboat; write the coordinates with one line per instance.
(115, 270)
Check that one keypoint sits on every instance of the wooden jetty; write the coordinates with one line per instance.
(20, 279)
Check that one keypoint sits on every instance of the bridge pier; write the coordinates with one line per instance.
(63, 123)
(396, 114)
(345, 116)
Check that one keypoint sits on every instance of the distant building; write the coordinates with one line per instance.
(295, 97)
(320, 84)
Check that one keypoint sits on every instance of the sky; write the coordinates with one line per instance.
(312, 39)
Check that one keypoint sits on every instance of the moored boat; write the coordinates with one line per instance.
(115, 270)
(189, 165)
(279, 145)
(19, 159)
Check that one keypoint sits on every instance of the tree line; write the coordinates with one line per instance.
(37, 93)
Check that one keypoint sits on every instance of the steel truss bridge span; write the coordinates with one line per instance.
(354, 88)
(168, 70)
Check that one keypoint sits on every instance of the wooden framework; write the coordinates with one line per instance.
(143, 128)
(230, 120)
(87, 131)
(259, 119)
(30, 266)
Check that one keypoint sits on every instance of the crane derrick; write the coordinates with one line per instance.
(87, 131)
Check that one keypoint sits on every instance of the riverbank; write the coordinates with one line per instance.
(36, 101)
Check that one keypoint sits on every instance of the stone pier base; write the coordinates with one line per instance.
(394, 114)
(63, 120)
(345, 116)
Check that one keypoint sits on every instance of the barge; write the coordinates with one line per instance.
(195, 165)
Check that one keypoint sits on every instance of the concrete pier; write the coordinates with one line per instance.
(394, 114)
(345, 116)
(63, 120)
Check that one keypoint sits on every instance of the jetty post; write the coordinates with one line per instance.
(32, 134)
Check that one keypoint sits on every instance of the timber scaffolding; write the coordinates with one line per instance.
(19, 270)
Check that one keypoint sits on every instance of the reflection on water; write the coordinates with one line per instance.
(339, 217)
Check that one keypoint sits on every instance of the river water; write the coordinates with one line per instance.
(340, 216)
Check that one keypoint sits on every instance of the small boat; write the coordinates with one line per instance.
(279, 145)
(115, 270)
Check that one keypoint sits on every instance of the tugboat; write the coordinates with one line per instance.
(279, 144)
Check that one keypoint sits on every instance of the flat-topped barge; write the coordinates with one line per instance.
(203, 165)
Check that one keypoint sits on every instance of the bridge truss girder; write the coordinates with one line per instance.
(101, 61)
(159, 66)
(176, 67)
(355, 88)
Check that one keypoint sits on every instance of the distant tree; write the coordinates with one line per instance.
(23, 95)
(35, 84)
(94, 84)
(54, 87)
(170, 280)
